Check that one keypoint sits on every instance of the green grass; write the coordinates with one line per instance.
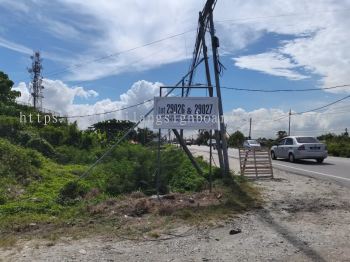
(32, 185)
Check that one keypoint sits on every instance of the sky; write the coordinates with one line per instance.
(103, 55)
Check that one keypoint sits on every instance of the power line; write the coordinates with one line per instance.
(314, 109)
(60, 71)
(56, 72)
(108, 112)
(321, 107)
(278, 16)
(136, 61)
(284, 90)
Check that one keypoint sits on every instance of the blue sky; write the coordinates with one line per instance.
(281, 45)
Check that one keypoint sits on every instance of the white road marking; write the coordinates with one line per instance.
(300, 169)
(318, 173)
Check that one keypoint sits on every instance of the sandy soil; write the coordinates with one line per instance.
(303, 219)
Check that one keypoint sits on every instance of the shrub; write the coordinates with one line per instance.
(9, 127)
(42, 146)
(71, 193)
(70, 154)
(25, 136)
(2, 198)
(52, 134)
(121, 178)
(17, 162)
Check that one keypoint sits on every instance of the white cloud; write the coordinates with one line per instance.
(15, 47)
(320, 44)
(60, 98)
(267, 121)
(25, 94)
(271, 63)
(316, 35)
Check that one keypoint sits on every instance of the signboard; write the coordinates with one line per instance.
(186, 113)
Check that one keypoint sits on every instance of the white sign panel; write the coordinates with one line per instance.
(186, 113)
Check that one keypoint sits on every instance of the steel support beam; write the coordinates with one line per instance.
(215, 45)
(188, 152)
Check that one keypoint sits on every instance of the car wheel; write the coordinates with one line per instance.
(273, 156)
(319, 160)
(291, 158)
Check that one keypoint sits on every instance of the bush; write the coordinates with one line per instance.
(133, 167)
(338, 145)
(178, 174)
(70, 154)
(42, 146)
(18, 162)
(52, 134)
(9, 127)
(2, 198)
(236, 139)
(25, 136)
(71, 193)
(121, 178)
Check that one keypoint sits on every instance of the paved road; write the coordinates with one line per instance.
(334, 168)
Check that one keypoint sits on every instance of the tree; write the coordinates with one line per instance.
(144, 135)
(114, 128)
(236, 139)
(281, 134)
(6, 94)
(203, 137)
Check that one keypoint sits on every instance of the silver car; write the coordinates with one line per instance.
(251, 144)
(300, 147)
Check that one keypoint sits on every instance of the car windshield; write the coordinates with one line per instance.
(253, 142)
(307, 140)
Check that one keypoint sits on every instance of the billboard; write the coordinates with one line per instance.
(186, 113)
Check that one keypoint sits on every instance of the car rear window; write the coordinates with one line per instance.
(253, 142)
(307, 140)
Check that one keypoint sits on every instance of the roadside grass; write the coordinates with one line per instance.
(39, 198)
(111, 216)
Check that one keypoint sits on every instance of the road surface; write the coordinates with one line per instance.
(334, 168)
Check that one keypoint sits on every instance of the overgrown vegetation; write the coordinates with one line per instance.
(41, 165)
(338, 145)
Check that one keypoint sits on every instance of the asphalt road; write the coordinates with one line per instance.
(333, 168)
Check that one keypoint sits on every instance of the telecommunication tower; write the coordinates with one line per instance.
(36, 87)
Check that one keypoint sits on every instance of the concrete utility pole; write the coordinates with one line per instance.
(36, 87)
(290, 115)
(250, 128)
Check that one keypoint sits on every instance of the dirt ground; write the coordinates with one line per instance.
(303, 219)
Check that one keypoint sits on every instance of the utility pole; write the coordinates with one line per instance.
(290, 115)
(36, 87)
(215, 45)
(250, 128)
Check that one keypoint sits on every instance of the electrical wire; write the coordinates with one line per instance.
(60, 71)
(314, 109)
(63, 70)
(284, 90)
(322, 107)
(112, 111)
(108, 112)
(277, 16)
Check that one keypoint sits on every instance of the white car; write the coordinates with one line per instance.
(299, 147)
(251, 144)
